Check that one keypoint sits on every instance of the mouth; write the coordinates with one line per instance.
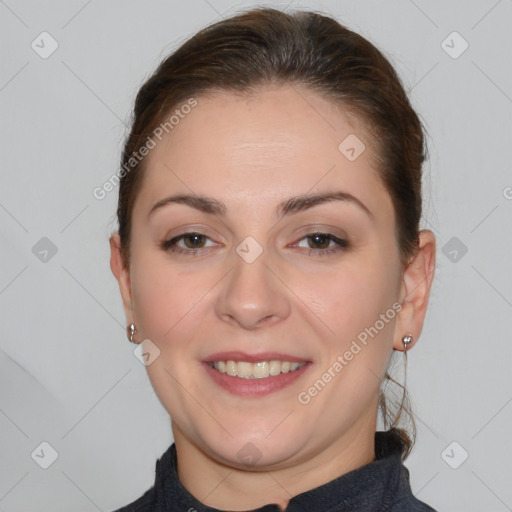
(258, 370)
(254, 375)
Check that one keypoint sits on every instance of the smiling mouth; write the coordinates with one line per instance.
(258, 370)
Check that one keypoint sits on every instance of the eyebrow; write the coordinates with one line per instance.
(292, 205)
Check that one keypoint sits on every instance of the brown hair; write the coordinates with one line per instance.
(266, 46)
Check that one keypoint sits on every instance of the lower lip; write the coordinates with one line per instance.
(255, 387)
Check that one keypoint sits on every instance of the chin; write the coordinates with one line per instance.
(257, 451)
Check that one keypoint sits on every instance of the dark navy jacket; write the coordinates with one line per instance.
(381, 486)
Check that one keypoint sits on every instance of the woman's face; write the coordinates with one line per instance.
(252, 283)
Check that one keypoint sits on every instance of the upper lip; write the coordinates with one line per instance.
(252, 358)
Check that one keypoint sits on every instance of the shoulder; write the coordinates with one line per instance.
(165, 472)
(143, 504)
(410, 504)
(398, 497)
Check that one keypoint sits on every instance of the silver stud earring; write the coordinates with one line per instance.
(131, 330)
(406, 340)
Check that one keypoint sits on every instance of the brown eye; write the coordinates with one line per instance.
(322, 244)
(191, 243)
(319, 241)
(194, 240)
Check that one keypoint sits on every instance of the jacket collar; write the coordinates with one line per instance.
(374, 486)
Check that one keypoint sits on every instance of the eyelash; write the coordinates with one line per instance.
(341, 244)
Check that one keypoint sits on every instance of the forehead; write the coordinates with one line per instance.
(280, 141)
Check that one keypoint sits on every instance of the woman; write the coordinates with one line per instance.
(270, 260)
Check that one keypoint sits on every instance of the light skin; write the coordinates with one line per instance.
(252, 154)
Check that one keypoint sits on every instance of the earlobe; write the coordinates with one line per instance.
(415, 291)
(121, 273)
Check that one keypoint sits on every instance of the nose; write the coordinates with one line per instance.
(252, 296)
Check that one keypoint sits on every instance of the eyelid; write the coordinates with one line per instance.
(325, 229)
(192, 230)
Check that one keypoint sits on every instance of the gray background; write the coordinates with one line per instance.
(67, 372)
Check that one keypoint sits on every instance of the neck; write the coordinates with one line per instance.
(224, 487)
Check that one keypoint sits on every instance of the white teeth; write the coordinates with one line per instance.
(231, 368)
(275, 368)
(243, 370)
(259, 370)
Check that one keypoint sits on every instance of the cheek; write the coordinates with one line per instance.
(350, 302)
(169, 310)
(356, 303)
(350, 298)
(162, 297)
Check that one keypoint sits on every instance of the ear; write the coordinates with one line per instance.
(415, 290)
(122, 274)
